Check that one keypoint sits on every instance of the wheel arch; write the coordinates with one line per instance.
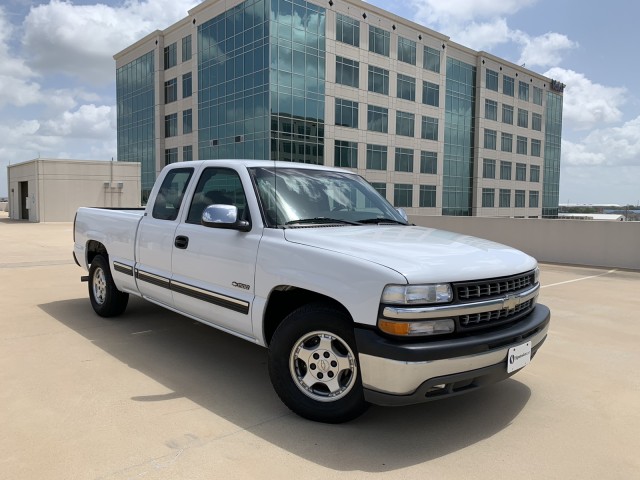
(95, 248)
(285, 299)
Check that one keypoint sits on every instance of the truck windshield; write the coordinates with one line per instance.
(298, 196)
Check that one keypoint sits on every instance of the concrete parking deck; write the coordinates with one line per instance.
(155, 395)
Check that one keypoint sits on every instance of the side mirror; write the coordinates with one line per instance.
(224, 216)
(403, 213)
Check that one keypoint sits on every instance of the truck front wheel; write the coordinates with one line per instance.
(313, 365)
(106, 299)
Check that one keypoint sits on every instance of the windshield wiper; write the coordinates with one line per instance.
(321, 221)
(379, 221)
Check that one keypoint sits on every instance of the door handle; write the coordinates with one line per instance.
(181, 242)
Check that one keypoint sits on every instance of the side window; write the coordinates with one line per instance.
(218, 186)
(169, 198)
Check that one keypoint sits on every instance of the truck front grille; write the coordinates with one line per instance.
(494, 317)
(485, 289)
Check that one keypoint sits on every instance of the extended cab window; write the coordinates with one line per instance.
(218, 186)
(169, 198)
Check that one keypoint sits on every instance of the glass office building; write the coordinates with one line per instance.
(436, 127)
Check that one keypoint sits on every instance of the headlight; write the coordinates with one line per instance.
(417, 294)
(536, 276)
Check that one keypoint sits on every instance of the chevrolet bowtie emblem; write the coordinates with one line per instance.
(510, 302)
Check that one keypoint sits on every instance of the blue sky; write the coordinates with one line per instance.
(57, 75)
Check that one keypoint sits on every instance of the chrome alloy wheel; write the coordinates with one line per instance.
(323, 366)
(99, 286)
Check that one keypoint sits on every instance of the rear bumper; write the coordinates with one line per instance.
(395, 373)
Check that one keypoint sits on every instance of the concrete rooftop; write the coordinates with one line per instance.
(156, 395)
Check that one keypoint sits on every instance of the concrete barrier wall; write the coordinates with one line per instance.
(578, 242)
(4, 207)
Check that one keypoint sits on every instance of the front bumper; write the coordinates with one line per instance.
(395, 373)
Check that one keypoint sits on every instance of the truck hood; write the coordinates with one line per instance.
(421, 254)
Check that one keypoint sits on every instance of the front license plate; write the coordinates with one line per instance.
(518, 357)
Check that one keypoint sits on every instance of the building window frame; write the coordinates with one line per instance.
(508, 85)
(377, 119)
(490, 139)
(521, 145)
(404, 158)
(431, 59)
(377, 157)
(378, 80)
(427, 196)
(490, 109)
(346, 113)
(429, 130)
(505, 170)
(405, 124)
(536, 147)
(171, 90)
(346, 154)
(534, 173)
(430, 93)
(347, 30)
(170, 56)
(428, 162)
(186, 48)
(505, 198)
(507, 114)
(187, 121)
(523, 91)
(488, 168)
(488, 197)
(406, 87)
(171, 125)
(506, 142)
(491, 79)
(523, 118)
(403, 195)
(347, 72)
(379, 41)
(406, 50)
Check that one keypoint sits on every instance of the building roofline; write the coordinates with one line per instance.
(135, 45)
(67, 160)
(366, 7)
(513, 65)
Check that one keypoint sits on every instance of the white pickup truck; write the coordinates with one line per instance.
(355, 305)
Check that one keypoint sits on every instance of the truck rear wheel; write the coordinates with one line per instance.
(313, 365)
(106, 299)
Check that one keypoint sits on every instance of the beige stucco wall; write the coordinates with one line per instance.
(58, 187)
(578, 242)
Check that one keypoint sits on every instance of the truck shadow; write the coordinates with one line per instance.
(228, 377)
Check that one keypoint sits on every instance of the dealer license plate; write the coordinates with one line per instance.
(518, 357)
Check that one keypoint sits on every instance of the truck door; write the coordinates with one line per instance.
(156, 235)
(213, 268)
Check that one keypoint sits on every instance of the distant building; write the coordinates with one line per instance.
(435, 126)
(592, 216)
(51, 190)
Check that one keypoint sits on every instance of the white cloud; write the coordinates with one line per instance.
(88, 121)
(484, 36)
(615, 146)
(9, 65)
(438, 12)
(545, 50)
(80, 40)
(588, 104)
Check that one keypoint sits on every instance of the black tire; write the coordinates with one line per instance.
(106, 299)
(313, 365)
